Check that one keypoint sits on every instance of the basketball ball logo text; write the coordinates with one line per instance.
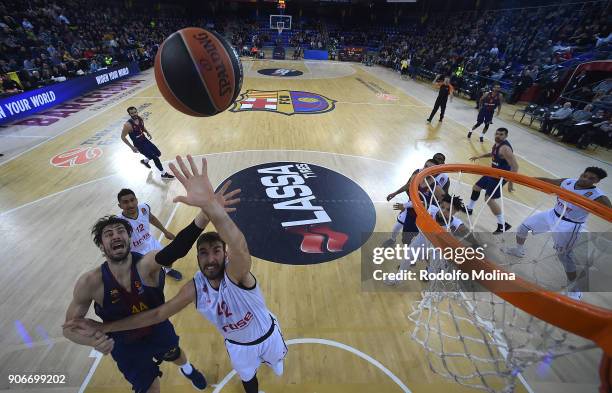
(219, 67)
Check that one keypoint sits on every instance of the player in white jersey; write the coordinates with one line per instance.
(443, 215)
(565, 220)
(225, 292)
(442, 185)
(140, 217)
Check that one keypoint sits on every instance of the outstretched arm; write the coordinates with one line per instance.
(556, 182)
(186, 295)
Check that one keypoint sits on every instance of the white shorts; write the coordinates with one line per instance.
(564, 233)
(246, 359)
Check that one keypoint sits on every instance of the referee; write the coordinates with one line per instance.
(446, 89)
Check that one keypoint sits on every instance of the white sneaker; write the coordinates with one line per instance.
(517, 252)
(576, 295)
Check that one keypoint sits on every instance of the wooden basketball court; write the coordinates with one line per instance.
(342, 339)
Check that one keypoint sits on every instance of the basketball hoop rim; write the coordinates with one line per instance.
(585, 320)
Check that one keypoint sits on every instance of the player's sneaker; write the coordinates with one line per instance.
(143, 162)
(174, 274)
(481, 139)
(166, 175)
(428, 120)
(441, 119)
(197, 378)
(469, 211)
(501, 229)
(517, 252)
(469, 134)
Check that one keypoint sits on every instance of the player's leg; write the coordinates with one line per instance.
(434, 110)
(488, 119)
(476, 189)
(155, 387)
(565, 235)
(245, 360)
(442, 109)
(166, 348)
(493, 193)
(536, 224)
(274, 350)
(479, 121)
(153, 153)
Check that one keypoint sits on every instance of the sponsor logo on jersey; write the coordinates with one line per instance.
(287, 102)
(300, 214)
(280, 72)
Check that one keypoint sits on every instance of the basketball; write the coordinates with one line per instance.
(198, 72)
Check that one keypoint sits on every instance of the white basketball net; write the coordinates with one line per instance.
(478, 339)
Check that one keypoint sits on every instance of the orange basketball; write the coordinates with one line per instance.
(198, 72)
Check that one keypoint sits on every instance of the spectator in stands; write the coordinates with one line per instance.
(577, 117)
(93, 66)
(556, 117)
(9, 86)
(599, 132)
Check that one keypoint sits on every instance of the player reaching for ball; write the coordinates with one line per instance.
(223, 290)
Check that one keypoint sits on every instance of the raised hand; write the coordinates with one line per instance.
(226, 200)
(197, 185)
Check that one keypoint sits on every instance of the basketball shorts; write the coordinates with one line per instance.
(246, 358)
(564, 233)
(137, 360)
(485, 116)
(489, 184)
(147, 148)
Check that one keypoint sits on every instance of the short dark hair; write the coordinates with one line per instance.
(98, 227)
(455, 200)
(503, 129)
(441, 158)
(600, 173)
(130, 108)
(124, 192)
(431, 160)
(209, 237)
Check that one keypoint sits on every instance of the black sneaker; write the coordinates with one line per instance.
(500, 229)
(441, 119)
(469, 211)
(469, 134)
(166, 175)
(429, 120)
(143, 162)
(178, 276)
(197, 378)
(481, 139)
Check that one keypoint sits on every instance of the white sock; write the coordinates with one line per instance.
(167, 269)
(187, 368)
(471, 204)
(146, 160)
(500, 219)
(397, 228)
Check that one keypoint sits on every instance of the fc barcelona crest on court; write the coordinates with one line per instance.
(288, 102)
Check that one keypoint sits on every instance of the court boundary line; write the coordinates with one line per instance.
(2, 214)
(330, 343)
(77, 124)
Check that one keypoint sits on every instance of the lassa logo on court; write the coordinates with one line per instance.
(300, 214)
(287, 102)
